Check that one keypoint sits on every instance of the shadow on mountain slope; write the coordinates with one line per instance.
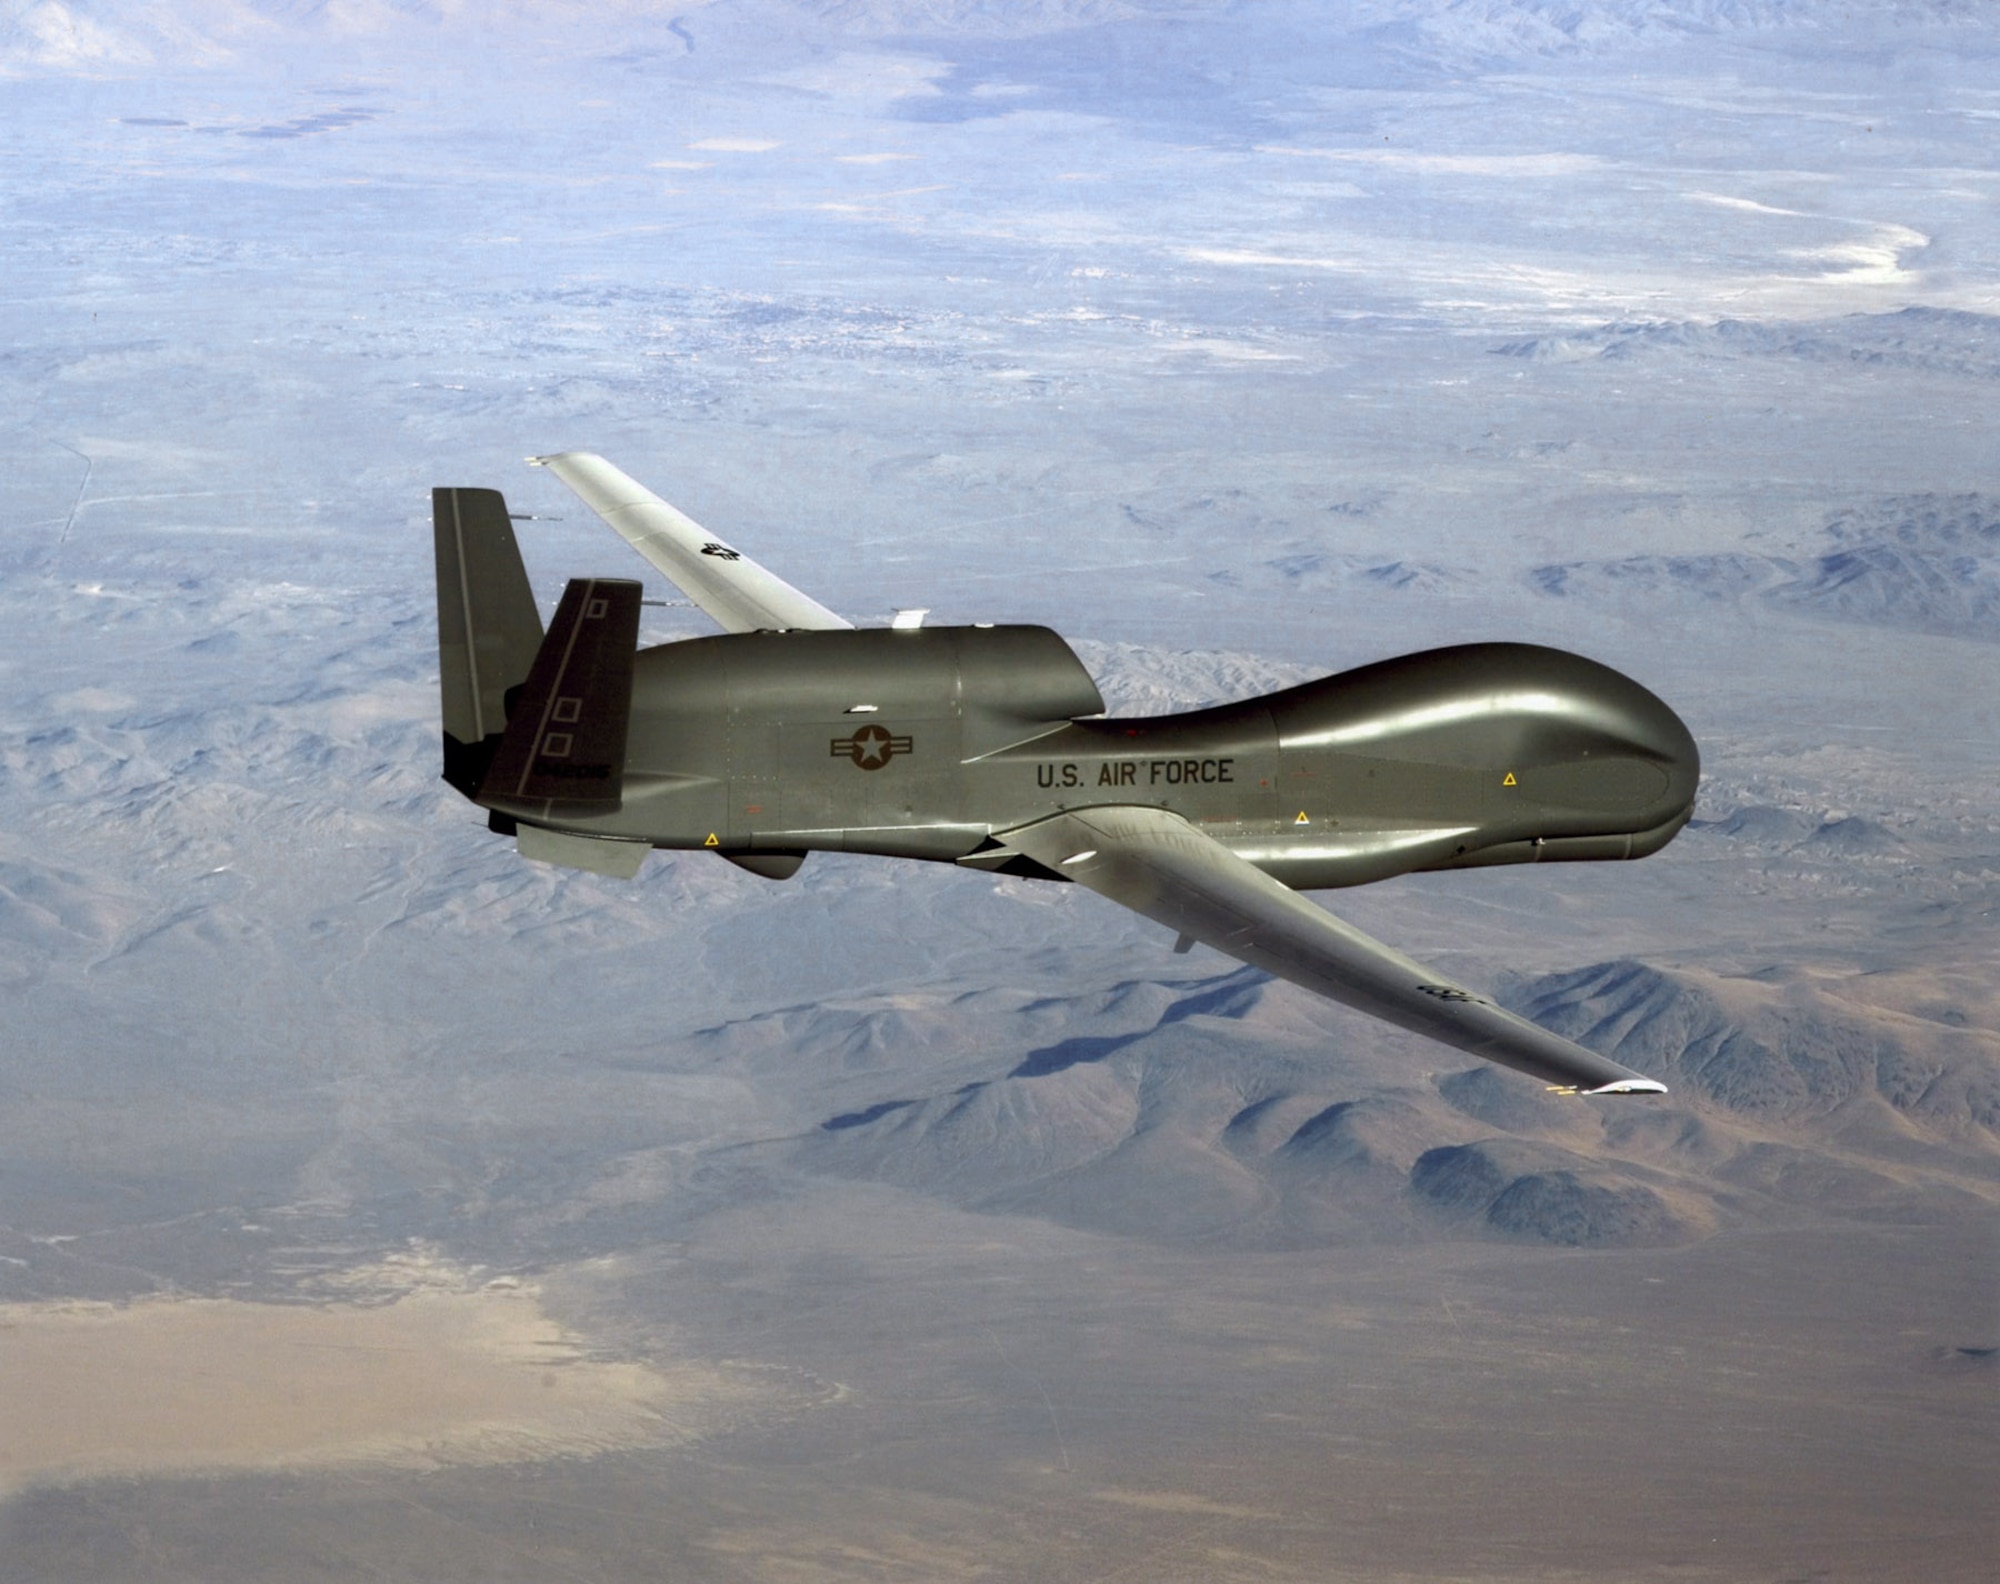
(1244, 1107)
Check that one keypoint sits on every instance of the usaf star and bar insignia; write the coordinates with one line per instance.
(871, 747)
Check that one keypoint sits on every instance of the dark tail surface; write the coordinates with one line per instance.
(488, 627)
(564, 750)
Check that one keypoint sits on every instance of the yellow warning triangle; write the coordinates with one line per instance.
(711, 842)
(1302, 820)
(1510, 781)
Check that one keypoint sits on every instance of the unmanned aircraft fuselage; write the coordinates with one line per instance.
(986, 746)
(928, 743)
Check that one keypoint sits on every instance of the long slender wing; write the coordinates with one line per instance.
(1157, 864)
(723, 581)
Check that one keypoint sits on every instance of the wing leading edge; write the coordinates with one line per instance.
(1156, 863)
(736, 591)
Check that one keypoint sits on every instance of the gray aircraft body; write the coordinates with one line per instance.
(987, 747)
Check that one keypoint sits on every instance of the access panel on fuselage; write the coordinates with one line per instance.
(756, 801)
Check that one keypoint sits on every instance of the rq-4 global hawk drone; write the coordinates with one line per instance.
(987, 746)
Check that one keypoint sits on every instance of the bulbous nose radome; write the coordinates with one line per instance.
(1582, 750)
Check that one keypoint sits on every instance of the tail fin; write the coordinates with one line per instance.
(564, 750)
(488, 627)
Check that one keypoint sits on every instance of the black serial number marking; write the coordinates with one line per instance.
(1450, 993)
(1135, 772)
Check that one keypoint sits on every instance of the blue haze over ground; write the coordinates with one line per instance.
(1238, 342)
